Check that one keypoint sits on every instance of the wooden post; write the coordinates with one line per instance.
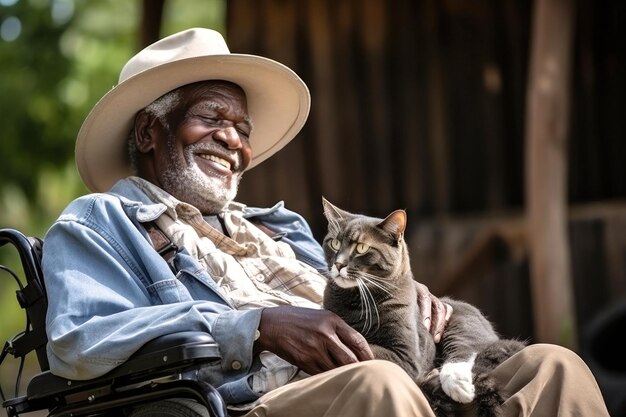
(150, 26)
(547, 114)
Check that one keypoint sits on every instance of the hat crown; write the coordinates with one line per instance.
(190, 43)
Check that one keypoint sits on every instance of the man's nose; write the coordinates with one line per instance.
(229, 136)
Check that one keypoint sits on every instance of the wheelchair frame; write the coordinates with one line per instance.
(167, 367)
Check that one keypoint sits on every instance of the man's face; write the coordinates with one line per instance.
(201, 147)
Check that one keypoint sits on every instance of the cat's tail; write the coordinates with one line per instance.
(489, 397)
(496, 353)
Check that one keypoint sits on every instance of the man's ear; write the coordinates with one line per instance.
(145, 133)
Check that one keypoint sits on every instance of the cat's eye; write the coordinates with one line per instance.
(361, 248)
(335, 244)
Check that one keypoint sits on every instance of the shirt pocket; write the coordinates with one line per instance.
(168, 291)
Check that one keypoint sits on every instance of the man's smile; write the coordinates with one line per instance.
(216, 159)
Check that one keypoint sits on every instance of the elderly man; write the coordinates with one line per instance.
(165, 150)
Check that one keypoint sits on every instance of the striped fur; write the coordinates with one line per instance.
(371, 286)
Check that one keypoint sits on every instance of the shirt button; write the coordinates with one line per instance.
(260, 278)
(236, 365)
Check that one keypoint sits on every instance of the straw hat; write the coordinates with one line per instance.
(278, 100)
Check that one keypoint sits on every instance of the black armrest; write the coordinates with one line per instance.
(165, 354)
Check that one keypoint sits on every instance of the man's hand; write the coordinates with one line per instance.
(314, 340)
(434, 313)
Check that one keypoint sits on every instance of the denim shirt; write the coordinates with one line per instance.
(110, 292)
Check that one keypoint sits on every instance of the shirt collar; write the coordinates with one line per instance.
(174, 207)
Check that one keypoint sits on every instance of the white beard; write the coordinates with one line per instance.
(209, 194)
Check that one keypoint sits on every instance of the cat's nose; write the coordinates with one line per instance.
(339, 265)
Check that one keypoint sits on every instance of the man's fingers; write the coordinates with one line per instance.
(341, 355)
(424, 304)
(441, 316)
(449, 311)
(434, 313)
(426, 312)
(322, 364)
(354, 343)
(314, 340)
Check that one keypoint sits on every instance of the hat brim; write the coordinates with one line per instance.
(278, 103)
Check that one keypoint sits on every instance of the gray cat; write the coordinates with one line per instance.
(371, 286)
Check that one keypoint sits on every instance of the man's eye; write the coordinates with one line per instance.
(361, 248)
(335, 244)
(244, 132)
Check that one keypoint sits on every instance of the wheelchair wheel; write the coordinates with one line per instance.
(175, 407)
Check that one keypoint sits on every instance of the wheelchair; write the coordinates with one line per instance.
(161, 379)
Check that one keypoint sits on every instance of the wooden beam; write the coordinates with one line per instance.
(547, 114)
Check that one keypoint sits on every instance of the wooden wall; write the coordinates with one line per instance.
(415, 104)
(420, 105)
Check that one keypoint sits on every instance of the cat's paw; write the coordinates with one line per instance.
(434, 373)
(456, 381)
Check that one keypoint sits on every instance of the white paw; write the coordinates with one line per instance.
(456, 380)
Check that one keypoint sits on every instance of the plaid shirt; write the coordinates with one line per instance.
(250, 267)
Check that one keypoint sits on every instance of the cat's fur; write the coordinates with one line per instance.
(371, 286)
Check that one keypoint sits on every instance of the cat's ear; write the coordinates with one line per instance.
(331, 211)
(395, 224)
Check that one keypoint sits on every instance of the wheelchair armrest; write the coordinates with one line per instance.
(162, 356)
(186, 339)
(175, 349)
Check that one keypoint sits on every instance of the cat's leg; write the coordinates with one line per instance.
(465, 377)
(409, 365)
(467, 333)
(496, 353)
(471, 350)
(457, 379)
(440, 402)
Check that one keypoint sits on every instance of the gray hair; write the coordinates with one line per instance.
(159, 108)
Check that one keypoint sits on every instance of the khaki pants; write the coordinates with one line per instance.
(544, 380)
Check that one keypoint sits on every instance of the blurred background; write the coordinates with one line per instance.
(497, 124)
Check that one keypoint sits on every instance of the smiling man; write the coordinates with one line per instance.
(194, 142)
(168, 146)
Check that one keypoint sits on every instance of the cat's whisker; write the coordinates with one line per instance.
(370, 306)
(378, 284)
(364, 313)
(382, 281)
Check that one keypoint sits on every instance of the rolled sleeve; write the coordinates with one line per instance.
(234, 331)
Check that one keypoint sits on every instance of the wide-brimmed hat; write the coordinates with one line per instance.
(278, 100)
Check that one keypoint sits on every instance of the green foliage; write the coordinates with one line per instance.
(34, 131)
(67, 55)
(58, 67)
